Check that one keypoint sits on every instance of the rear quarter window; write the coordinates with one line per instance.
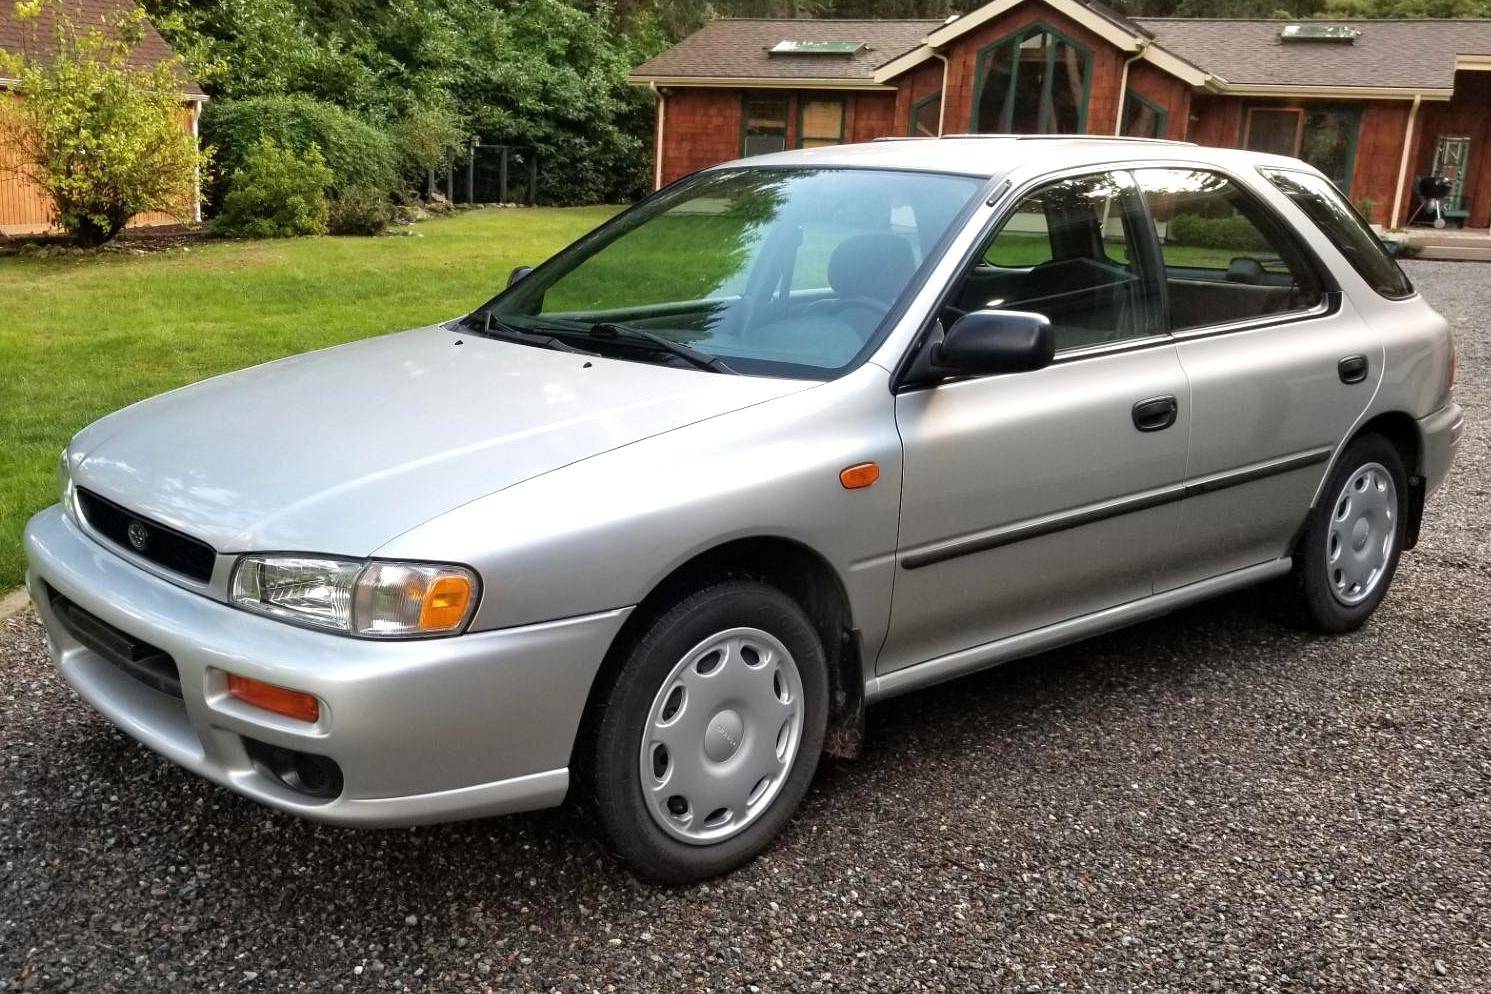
(1333, 214)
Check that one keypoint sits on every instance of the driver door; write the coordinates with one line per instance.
(1032, 498)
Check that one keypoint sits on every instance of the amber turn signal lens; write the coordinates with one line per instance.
(290, 703)
(860, 476)
(445, 604)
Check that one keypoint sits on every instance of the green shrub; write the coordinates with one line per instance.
(1233, 232)
(277, 192)
(361, 210)
(427, 138)
(358, 153)
(101, 137)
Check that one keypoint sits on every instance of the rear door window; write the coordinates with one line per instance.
(1226, 258)
(1347, 230)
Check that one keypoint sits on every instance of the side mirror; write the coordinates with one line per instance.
(985, 342)
(518, 274)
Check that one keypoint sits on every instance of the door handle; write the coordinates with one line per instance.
(1155, 414)
(1353, 368)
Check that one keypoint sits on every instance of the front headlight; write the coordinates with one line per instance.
(64, 481)
(357, 597)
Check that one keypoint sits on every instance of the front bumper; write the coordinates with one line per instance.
(423, 731)
(1440, 433)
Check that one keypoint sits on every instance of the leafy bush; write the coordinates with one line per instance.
(358, 153)
(103, 138)
(361, 210)
(277, 192)
(1233, 232)
(427, 138)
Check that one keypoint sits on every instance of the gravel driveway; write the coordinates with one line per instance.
(1205, 802)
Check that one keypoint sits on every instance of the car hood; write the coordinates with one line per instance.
(340, 451)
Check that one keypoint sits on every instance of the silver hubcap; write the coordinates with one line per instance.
(721, 736)
(1364, 522)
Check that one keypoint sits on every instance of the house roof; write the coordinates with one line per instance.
(739, 48)
(38, 34)
(1409, 54)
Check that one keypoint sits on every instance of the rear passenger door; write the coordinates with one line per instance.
(1032, 498)
(1279, 366)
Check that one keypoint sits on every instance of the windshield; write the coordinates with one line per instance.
(771, 272)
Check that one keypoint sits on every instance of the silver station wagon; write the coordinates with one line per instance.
(794, 435)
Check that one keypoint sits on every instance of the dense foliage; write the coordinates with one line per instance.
(358, 153)
(276, 192)
(103, 139)
(542, 73)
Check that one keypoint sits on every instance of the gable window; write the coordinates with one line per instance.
(819, 123)
(1142, 118)
(926, 115)
(1322, 135)
(1034, 82)
(763, 125)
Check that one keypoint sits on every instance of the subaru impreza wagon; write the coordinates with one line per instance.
(794, 435)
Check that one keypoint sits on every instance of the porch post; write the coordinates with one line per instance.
(1413, 114)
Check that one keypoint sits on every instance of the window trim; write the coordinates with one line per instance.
(1006, 113)
(803, 101)
(1162, 116)
(746, 97)
(916, 107)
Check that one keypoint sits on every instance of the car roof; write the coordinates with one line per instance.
(997, 155)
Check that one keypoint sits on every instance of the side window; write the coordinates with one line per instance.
(1065, 252)
(820, 123)
(1323, 204)
(1226, 258)
(764, 128)
(926, 115)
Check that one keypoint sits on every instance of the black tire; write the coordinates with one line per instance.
(608, 766)
(1305, 597)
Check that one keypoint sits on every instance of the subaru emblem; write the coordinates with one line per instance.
(139, 536)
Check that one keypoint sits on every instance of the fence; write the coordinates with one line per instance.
(489, 174)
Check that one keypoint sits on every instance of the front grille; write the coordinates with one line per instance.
(140, 660)
(157, 543)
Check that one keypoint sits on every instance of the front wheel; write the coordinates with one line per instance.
(1351, 543)
(706, 741)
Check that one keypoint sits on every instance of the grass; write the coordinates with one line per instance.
(80, 337)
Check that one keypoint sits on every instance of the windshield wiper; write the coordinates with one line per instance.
(709, 363)
(483, 323)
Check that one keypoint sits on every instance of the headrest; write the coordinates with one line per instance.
(876, 265)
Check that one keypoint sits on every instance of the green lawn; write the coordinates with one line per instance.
(82, 337)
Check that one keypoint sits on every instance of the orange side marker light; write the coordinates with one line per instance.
(859, 476)
(290, 703)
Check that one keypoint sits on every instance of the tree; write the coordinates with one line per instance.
(103, 138)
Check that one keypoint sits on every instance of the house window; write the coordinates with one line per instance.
(1322, 135)
(763, 125)
(819, 123)
(1141, 118)
(1034, 82)
(926, 117)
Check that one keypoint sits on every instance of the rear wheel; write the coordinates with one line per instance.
(707, 739)
(1349, 551)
